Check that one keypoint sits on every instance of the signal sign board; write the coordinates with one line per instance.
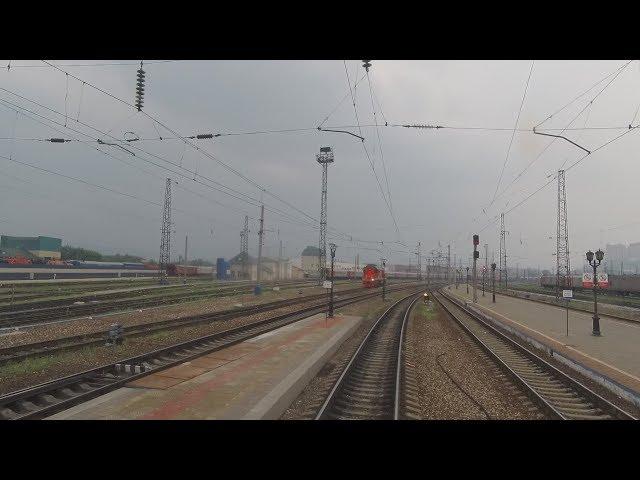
(326, 284)
(567, 294)
(587, 280)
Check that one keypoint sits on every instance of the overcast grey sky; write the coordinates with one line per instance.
(439, 180)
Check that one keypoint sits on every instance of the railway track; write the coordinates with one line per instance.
(559, 395)
(48, 398)
(48, 347)
(370, 385)
(69, 310)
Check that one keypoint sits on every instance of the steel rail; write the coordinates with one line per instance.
(396, 407)
(21, 352)
(324, 410)
(50, 397)
(560, 395)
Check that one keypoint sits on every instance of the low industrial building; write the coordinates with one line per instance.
(45, 248)
(271, 269)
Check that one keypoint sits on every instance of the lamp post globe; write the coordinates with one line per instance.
(599, 255)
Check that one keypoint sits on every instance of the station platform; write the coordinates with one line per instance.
(255, 379)
(612, 359)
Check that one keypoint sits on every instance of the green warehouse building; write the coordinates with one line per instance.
(41, 247)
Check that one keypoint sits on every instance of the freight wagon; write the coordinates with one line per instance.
(618, 284)
(174, 270)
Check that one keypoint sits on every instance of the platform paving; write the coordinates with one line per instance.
(255, 379)
(615, 354)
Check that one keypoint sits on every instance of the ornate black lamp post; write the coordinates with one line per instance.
(595, 264)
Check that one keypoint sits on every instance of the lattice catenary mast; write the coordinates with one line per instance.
(165, 242)
(324, 158)
(503, 253)
(563, 271)
(244, 248)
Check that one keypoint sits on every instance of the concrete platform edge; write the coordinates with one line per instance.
(275, 403)
(602, 379)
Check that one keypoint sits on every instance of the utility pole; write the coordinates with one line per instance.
(427, 274)
(476, 254)
(332, 247)
(493, 280)
(454, 265)
(260, 242)
(486, 265)
(384, 278)
(244, 248)
(280, 259)
(448, 262)
(165, 242)
(503, 253)
(186, 262)
(563, 266)
(419, 263)
(324, 158)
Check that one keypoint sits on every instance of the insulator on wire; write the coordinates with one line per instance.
(204, 135)
(140, 88)
(366, 64)
(58, 140)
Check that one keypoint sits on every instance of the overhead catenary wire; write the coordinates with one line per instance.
(617, 70)
(196, 147)
(553, 177)
(355, 109)
(524, 96)
(272, 209)
(524, 170)
(255, 201)
(122, 161)
(114, 64)
(375, 120)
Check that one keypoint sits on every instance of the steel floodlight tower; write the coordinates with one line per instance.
(324, 158)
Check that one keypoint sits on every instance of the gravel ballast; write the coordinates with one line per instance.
(456, 380)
